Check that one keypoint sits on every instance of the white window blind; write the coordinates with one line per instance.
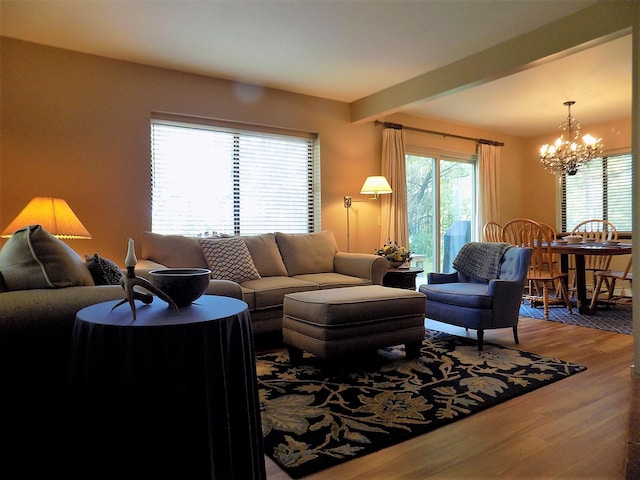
(208, 179)
(602, 189)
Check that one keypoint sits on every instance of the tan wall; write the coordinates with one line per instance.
(77, 126)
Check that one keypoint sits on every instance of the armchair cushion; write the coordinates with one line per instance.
(474, 295)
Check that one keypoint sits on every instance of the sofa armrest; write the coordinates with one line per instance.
(437, 277)
(224, 288)
(362, 265)
(144, 265)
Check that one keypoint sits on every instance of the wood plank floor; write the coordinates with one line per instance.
(576, 428)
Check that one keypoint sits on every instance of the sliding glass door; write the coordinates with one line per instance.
(441, 195)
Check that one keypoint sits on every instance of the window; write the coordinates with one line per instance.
(441, 196)
(602, 189)
(211, 178)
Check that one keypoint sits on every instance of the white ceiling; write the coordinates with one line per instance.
(347, 49)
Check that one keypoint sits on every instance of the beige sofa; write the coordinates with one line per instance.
(266, 266)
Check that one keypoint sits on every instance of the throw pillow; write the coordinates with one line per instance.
(305, 253)
(174, 251)
(265, 255)
(103, 270)
(3, 287)
(33, 258)
(229, 259)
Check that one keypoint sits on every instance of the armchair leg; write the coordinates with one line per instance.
(480, 339)
(515, 334)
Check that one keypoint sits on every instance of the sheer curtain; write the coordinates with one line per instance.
(488, 192)
(394, 212)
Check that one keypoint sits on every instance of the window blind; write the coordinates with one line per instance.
(208, 179)
(602, 189)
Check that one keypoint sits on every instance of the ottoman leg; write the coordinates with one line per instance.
(412, 350)
(295, 355)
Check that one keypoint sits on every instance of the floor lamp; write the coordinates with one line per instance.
(376, 185)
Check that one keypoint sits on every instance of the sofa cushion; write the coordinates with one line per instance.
(103, 271)
(304, 253)
(33, 258)
(269, 292)
(333, 280)
(265, 254)
(173, 251)
(229, 259)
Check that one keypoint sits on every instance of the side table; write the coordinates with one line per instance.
(167, 396)
(401, 278)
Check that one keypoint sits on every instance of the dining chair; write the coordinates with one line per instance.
(544, 275)
(600, 231)
(554, 258)
(492, 232)
(512, 233)
(611, 276)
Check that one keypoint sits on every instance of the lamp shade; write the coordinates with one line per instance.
(53, 214)
(375, 186)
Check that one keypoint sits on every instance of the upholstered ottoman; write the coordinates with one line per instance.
(333, 322)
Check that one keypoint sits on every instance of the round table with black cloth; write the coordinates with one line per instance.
(165, 396)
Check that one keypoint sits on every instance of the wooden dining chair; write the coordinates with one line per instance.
(513, 233)
(544, 275)
(554, 258)
(492, 232)
(599, 231)
(611, 276)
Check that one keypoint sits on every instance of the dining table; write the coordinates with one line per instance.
(579, 251)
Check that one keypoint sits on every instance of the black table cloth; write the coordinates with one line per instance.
(170, 395)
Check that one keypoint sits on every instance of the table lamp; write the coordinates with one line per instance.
(53, 214)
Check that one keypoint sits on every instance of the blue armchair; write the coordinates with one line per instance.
(484, 292)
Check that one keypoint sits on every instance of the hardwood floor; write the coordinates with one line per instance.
(576, 428)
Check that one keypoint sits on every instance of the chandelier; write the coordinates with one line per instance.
(567, 155)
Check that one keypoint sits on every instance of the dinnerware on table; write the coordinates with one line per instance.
(573, 239)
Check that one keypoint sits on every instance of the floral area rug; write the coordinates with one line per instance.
(315, 416)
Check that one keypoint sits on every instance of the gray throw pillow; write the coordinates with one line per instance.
(33, 258)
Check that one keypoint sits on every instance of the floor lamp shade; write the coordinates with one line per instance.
(53, 214)
(375, 185)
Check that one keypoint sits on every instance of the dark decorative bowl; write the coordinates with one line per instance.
(182, 285)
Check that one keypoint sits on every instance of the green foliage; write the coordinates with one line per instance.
(455, 194)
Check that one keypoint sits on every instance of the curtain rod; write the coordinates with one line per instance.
(398, 126)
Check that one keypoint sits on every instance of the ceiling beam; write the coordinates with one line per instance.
(600, 23)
